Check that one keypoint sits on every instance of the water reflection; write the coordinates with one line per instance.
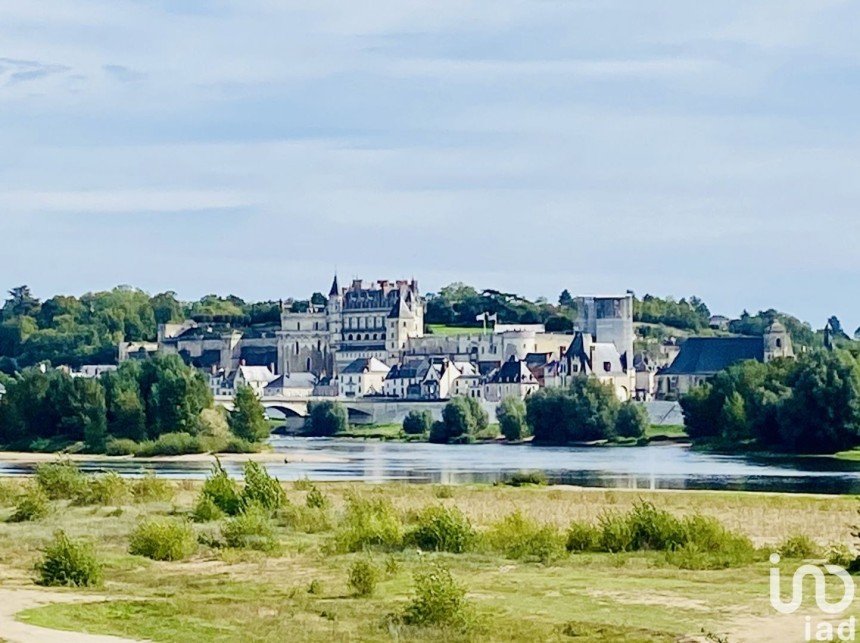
(653, 467)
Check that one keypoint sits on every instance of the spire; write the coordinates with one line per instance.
(335, 289)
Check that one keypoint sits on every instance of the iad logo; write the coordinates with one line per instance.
(823, 631)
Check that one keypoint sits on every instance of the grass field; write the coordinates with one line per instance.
(439, 329)
(300, 591)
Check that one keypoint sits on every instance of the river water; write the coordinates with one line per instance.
(668, 466)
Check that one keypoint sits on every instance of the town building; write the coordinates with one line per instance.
(362, 377)
(700, 358)
(511, 379)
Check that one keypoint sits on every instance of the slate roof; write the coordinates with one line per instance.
(415, 369)
(294, 380)
(511, 372)
(703, 355)
(365, 365)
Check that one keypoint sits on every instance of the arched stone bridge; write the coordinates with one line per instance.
(361, 410)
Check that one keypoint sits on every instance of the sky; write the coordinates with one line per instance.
(254, 147)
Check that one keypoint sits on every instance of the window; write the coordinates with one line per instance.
(298, 325)
(779, 342)
(607, 366)
(297, 348)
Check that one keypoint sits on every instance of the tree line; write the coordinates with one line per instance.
(807, 405)
(142, 402)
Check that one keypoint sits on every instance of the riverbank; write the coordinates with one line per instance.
(300, 590)
(27, 457)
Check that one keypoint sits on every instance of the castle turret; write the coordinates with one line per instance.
(777, 342)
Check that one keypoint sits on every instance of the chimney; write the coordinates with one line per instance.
(356, 284)
(242, 363)
(272, 367)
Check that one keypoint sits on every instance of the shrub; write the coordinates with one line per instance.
(61, 479)
(262, 489)
(522, 478)
(238, 445)
(69, 563)
(582, 537)
(439, 599)
(251, 529)
(151, 488)
(107, 489)
(315, 587)
(163, 539)
(443, 491)
(417, 422)
(518, 537)
(33, 505)
(205, 510)
(369, 522)
(511, 414)
(798, 546)
(316, 499)
(121, 446)
(656, 529)
(177, 443)
(326, 418)
(309, 520)
(222, 490)
(363, 577)
(615, 533)
(441, 528)
(841, 555)
(303, 484)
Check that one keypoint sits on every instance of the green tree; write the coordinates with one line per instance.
(417, 422)
(248, 419)
(632, 420)
(326, 418)
(585, 411)
(511, 414)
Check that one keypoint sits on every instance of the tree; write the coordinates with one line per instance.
(417, 422)
(326, 418)
(166, 308)
(511, 414)
(21, 303)
(462, 417)
(632, 420)
(565, 300)
(585, 411)
(248, 419)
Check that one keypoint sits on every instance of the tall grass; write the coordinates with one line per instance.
(368, 522)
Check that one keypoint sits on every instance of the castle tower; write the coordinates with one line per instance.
(777, 342)
(334, 318)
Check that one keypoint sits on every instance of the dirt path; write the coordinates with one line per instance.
(13, 601)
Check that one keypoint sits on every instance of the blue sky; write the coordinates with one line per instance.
(251, 147)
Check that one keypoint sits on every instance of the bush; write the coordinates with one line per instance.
(363, 577)
(441, 528)
(238, 445)
(205, 510)
(251, 529)
(616, 534)
(61, 479)
(841, 555)
(163, 539)
(798, 546)
(69, 563)
(439, 600)
(656, 529)
(222, 490)
(262, 489)
(417, 422)
(316, 499)
(582, 537)
(462, 418)
(326, 418)
(443, 491)
(521, 538)
(309, 520)
(107, 489)
(177, 443)
(151, 488)
(369, 522)
(511, 414)
(632, 420)
(121, 446)
(33, 505)
(303, 484)
(522, 478)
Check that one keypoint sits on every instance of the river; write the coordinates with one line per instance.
(668, 466)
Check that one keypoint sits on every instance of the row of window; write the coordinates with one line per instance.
(366, 337)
